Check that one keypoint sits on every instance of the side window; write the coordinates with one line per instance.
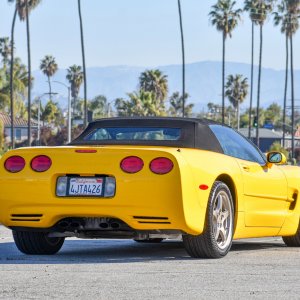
(234, 144)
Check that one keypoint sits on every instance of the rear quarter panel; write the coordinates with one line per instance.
(204, 167)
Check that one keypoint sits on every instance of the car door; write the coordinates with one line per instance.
(265, 194)
(265, 188)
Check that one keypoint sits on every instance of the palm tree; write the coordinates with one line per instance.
(236, 92)
(20, 85)
(183, 57)
(50, 112)
(99, 106)
(83, 63)
(75, 78)
(21, 7)
(293, 7)
(259, 11)
(225, 18)
(24, 7)
(4, 97)
(49, 67)
(3, 78)
(155, 82)
(141, 103)
(5, 50)
(12, 118)
(281, 17)
(178, 104)
(248, 6)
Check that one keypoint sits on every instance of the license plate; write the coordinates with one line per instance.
(85, 186)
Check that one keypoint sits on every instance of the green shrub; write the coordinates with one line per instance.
(1, 135)
(276, 146)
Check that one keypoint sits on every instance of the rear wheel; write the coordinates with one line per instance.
(294, 240)
(216, 240)
(37, 242)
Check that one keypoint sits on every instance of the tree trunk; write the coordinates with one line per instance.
(183, 58)
(11, 87)
(293, 97)
(258, 86)
(50, 91)
(251, 84)
(285, 89)
(223, 81)
(29, 74)
(83, 64)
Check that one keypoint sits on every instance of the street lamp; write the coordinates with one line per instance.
(108, 107)
(69, 108)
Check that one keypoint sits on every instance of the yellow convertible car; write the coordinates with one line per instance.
(149, 179)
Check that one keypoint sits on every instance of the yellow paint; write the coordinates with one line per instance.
(263, 196)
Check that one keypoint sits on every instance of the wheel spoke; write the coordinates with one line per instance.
(217, 233)
(223, 234)
(219, 204)
(225, 215)
(215, 214)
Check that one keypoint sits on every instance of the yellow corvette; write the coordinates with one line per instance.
(149, 179)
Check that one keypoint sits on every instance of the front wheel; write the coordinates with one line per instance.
(216, 239)
(37, 243)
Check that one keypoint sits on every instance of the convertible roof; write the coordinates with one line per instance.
(195, 132)
(149, 120)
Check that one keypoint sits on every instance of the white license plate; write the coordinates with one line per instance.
(85, 186)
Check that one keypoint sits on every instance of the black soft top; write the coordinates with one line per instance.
(195, 133)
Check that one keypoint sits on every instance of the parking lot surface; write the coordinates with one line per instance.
(124, 269)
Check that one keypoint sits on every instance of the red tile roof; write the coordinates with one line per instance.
(18, 122)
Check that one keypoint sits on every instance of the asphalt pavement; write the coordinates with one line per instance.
(124, 269)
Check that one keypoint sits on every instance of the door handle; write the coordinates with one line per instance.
(246, 168)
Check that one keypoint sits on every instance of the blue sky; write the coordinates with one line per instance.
(136, 32)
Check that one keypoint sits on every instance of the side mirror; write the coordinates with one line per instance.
(276, 158)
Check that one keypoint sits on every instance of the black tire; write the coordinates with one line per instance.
(37, 243)
(206, 245)
(294, 240)
(153, 240)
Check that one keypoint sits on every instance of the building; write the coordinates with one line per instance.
(266, 137)
(20, 129)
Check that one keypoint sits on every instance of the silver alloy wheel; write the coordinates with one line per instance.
(222, 219)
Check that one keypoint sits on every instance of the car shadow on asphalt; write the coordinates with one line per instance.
(248, 246)
(116, 251)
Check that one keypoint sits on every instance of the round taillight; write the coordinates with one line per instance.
(161, 165)
(14, 164)
(132, 164)
(41, 163)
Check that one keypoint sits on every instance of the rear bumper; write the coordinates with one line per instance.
(141, 203)
(139, 218)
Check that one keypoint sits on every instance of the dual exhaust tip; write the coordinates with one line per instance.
(108, 225)
(69, 224)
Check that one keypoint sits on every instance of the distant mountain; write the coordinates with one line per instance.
(203, 82)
